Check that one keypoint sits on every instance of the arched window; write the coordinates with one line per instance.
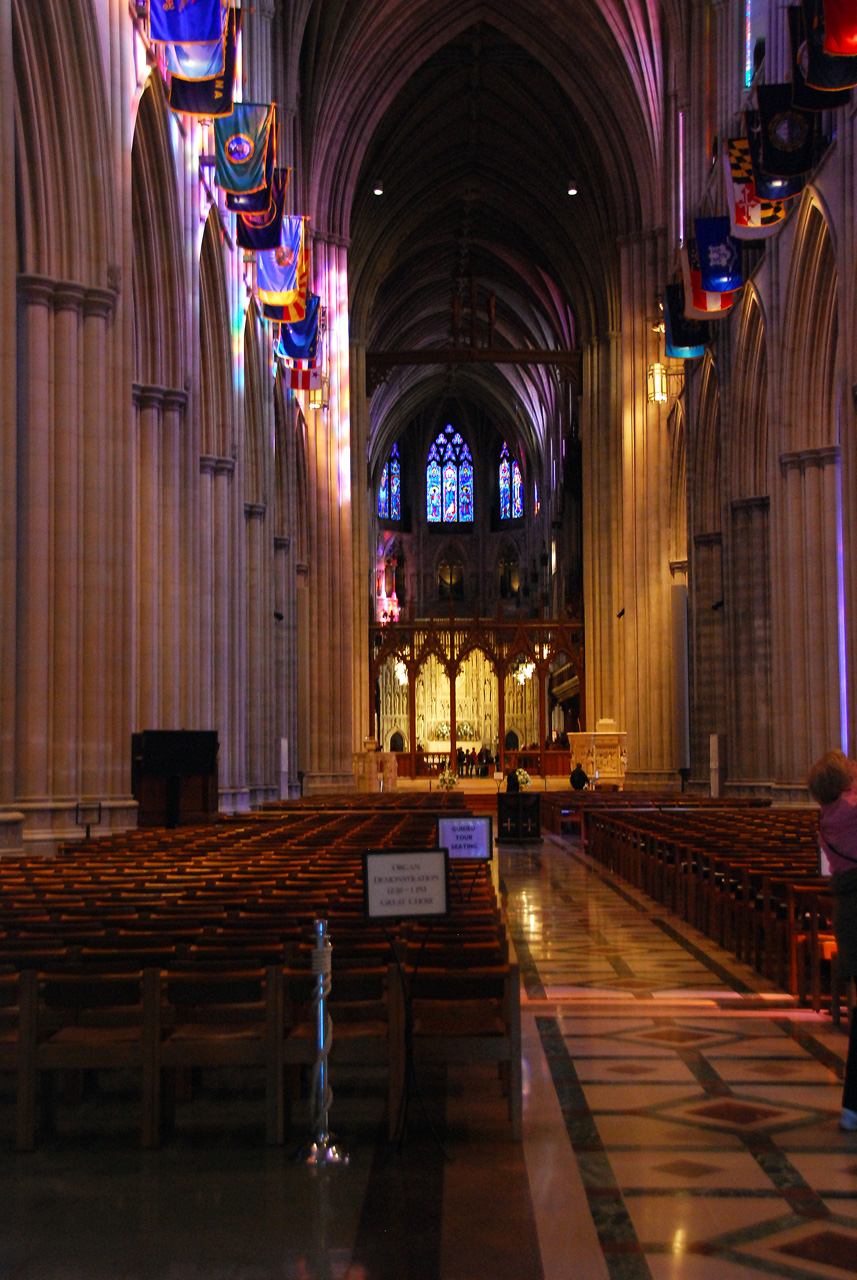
(449, 480)
(450, 580)
(390, 490)
(511, 487)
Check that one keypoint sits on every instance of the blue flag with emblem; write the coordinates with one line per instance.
(299, 341)
(719, 255)
(185, 21)
(243, 142)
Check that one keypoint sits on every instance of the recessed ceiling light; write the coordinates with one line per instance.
(572, 189)
(378, 188)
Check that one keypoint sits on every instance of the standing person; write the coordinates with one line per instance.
(579, 777)
(832, 783)
(512, 783)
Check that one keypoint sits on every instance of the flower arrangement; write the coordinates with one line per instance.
(523, 779)
(447, 779)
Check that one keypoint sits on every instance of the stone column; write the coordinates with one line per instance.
(362, 570)
(224, 471)
(35, 531)
(149, 559)
(207, 465)
(259, 622)
(172, 575)
(8, 423)
(329, 522)
(67, 558)
(100, 556)
(647, 620)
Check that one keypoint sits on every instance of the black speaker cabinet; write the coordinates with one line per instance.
(174, 776)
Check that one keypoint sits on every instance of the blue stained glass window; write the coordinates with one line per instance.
(449, 479)
(450, 494)
(383, 503)
(433, 505)
(505, 506)
(517, 493)
(395, 485)
(465, 491)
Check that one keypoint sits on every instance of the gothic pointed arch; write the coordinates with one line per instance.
(750, 401)
(705, 508)
(215, 357)
(160, 319)
(811, 331)
(68, 227)
(255, 489)
(678, 486)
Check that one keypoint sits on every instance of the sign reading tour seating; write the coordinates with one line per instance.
(471, 838)
(405, 882)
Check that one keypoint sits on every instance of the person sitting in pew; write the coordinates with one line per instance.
(832, 783)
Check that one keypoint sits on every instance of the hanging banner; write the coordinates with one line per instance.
(802, 95)
(719, 256)
(188, 22)
(213, 96)
(749, 217)
(787, 133)
(699, 303)
(684, 339)
(244, 143)
(261, 232)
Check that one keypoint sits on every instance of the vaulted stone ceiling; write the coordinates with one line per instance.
(475, 118)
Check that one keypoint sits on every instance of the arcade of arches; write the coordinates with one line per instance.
(185, 542)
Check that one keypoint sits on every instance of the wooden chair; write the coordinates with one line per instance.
(81, 1021)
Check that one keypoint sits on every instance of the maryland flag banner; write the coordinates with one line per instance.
(185, 21)
(802, 95)
(787, 133)
(824, 71)
(281, 275)
(767, 187)
(719, 256)
(840, 28)
(299, 341)
(685, 339)
(212, 96)
(699, 303)
(264, 231)
(244, 143)
(749, 217)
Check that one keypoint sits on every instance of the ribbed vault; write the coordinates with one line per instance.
(475, 118)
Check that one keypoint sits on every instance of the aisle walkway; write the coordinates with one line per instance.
(680, 1124)
(697, 1109)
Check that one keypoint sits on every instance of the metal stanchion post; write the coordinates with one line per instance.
(321, 1150)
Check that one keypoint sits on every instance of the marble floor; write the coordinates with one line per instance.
(680, 1123)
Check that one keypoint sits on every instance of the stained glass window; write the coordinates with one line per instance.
(449, 479)
(395, 485)
(383, 496)
(511, 487)
(433, 510)
(517, 493)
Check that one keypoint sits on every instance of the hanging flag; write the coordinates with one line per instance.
(281, 274)
(787, 133)
(824, 71)
(766, 186)
(185, 21)
(719, 255)
(685, 339)
(244, 142)
(749, 217)
(213, 96)
(299, 341)
(802, 95)
(699, 303)
(840, 28)
(304, 379)
(264, 231)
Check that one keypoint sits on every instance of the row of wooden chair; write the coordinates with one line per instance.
(749, 880)
(161, 1025)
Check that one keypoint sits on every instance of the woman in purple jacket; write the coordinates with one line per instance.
(832, 782)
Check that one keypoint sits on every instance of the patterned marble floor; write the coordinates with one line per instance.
(700, 1106)
(680, 1123)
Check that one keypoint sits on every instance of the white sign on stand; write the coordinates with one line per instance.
(398, 883)
(470, 837)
